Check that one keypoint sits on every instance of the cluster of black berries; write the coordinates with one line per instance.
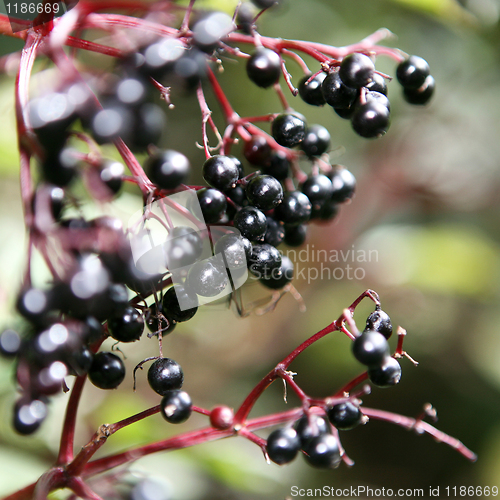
(357, 92)
(312, 433)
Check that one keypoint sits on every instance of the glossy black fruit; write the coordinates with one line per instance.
(251, 223)
(258, 151)
(107, 370)
(281, 277)
(179, 303)
(379, 321)
(264, 192)
(232, 248)
(158, 321)
(336, 93)
(288, 130)
(168, 169)
(207, 278)
(28, 415)
(310, 89)
(316, 141)
(370, 348)
(264, 67)
(356, 70)
(371, 120)
(283, 445)
(127, 326)
(278, 166)
(275, 232)
(265, 261)
(387, 374)
(344, 185)
(422, 95)
(323, 452)
(213, 204)
(318, 188)
(295, 236)
(221, 172)
(309, 427)
(165, 375)
(176, 406)
(294, 209)
(345, 416)
(412, 72)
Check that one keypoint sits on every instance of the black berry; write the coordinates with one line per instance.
(128, 326)
(323, 452)
(370, 348)
(318, 188)
(344, 185)
(316, 141)
(213, 204)
(295, 236)
(251, 223)
(387, 374)
(176, 406)
(28, 415)
(371, 120)
(264, 192)
(336, 93)
(168, 169)
(179, 303)
(412, 72)
(207, 278)
(165, 375)
(356, 70)
(310, 89)
(107, 370)
(379, 321)
(264, 67)
(283, 445)
(288, 130)
(283, 276)
(344, 416)
(265, 261)
(423, 94)
(309, 427)
(221, 172)
(294, 209)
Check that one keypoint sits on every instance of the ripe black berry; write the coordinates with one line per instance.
(60, 167)
(412, 72)
(336, 93)
(176, 406)
(221, 172)
(258, 151)
(107, 370)
(264, 67)
(374, 96)
(345, 416)
(111, 175)
(157, 320)
(356, 70)
(179, 303)
(127, 326)
(387, 374)
(423, 94)
(309, 427)
(264, 192)
(344, 185)
(232, 248)
(213, 204)
(28, 415)
(288, 129)
(278, 166)
(295, 235)
(378, 84)
(168, 169)
(316, 141)
(265, 261)
(251, 223)
(294, 209)
(370, 348)
(275, 232)
(379, 321)
(111, 123)
(282, 277)
(283, 445)
(310, 89)
(323, 452)
(371, 119)
(165, 375)
(207, 278)
(318, 188)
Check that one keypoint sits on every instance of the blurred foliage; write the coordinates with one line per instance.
(427, 202)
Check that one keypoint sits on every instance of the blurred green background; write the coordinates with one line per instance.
(427, 204)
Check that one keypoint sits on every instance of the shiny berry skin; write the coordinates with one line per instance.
(190, 236)
(294, 209)
(318, 188)
(327, 212)
(213, 204)
(165, 375)
(336, 93)
(379, 321)
(316, 141)
(323, 452)
(275, 232)
(344, 185)
(284, 275)
(295, 236)
(10, 343)
(110, 123)
(264, 67)
(168, 169)
(283, 445)
(278, 167)
(264, 192)
(422, 95)
(385, 375)
(221, 417)
(371, 120)
(370, 348)
(175, 297)
(60, 167)
(412, 72)
(232, 248)
(111, 175)
(265, 261)
(310, 89)
(373, 96)
(176, 406)
(258, 151)
(378, 84)
(148, 125)
(107, 370)
(128, 326)
(207, 278)
(221, 172)
(251, 223)
(28, 415)
(344, 416)
(309, 427)
(288, 130)
(356, 70)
